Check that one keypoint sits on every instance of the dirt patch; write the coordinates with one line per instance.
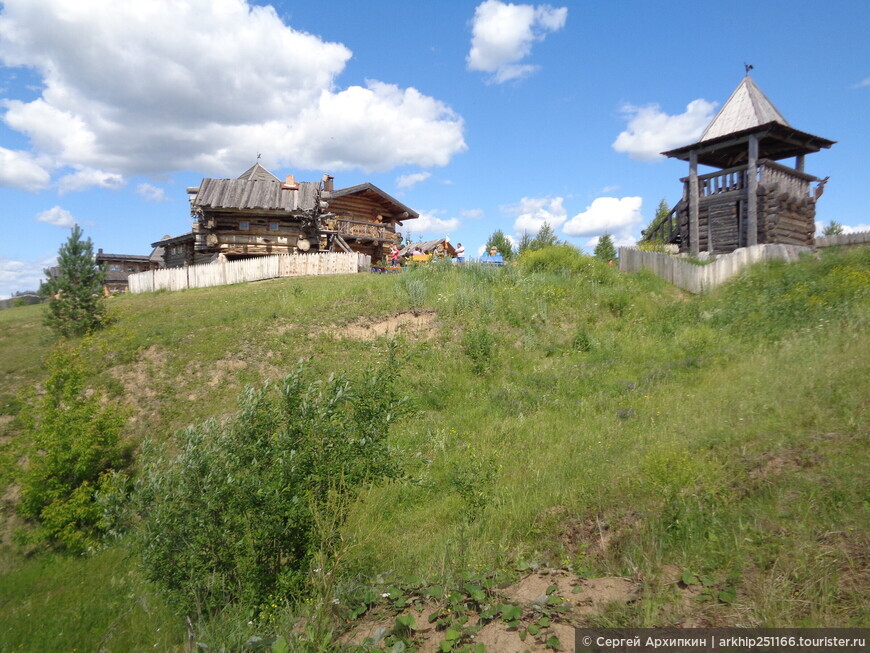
(587, 596)
(595, 535)
(534, 593)
(772, 465)
(417, 325)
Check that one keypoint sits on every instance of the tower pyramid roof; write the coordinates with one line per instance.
(747, 107)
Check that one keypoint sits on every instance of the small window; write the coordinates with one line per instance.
(131, 269)
(244, 225)
(273, 226)
(114, 267)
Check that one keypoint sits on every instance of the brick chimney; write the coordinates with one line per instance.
(328, 182)
(290, 183)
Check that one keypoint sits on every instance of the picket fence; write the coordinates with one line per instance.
(252, 269)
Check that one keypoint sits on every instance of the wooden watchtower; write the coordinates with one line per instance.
(752, 198)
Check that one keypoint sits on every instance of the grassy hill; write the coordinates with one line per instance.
(604, 424)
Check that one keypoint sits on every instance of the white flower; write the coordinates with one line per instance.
(385, 595)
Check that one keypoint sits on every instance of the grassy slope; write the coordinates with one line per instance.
(723, 434)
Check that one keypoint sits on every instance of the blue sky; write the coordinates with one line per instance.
(479, 115)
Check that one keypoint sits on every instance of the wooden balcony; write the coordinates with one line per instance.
(360, 230)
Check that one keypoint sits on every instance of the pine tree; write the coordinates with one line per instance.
(546, 237)
(833, 228)
(525, 243)
(76, 305)
(502, 244)
(605, 250)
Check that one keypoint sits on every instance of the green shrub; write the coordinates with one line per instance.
(566, 259)
(415, 291)
(230, 519)
(74, 441)
(479, 345)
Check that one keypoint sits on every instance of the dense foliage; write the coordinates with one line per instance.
(74, 438)
(231, 517)
(76, 303)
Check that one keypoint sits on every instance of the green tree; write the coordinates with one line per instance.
(525, 243)
(76, 305)
(605, 250)
(546, 237)
(662, 213)
(502, 244)
(833, 228)
(74, 438)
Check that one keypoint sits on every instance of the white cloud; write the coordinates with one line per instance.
(215, 84)
(471, 214)
(651, 131)
(375, 128)
(19, 276)
(409, 181)
(503, 35)
(863, 83)
(151, 193)
(429, 223)
(19, 170)
(614, 215)
(57, 216)
(533, 212)
(85, 178)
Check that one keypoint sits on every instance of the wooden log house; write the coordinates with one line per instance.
(118, 267)
(751, 198)
(258, 214)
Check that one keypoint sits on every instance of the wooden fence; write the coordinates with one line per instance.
(860, 238)
(252, 269)
(699, 278)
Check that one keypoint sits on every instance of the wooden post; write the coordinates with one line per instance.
(694, 235)
(752, 193)
(799, 163)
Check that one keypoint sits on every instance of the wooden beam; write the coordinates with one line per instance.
(694, 235)
(799, 163)
(752, 193)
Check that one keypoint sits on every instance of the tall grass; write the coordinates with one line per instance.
(725, 434)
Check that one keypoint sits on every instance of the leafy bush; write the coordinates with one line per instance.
(566, 259)
(230, 519)
(75, 442)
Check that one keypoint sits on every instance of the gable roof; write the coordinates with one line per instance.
(256, 189)
(371, 188)
(258, 173)
(747, 107)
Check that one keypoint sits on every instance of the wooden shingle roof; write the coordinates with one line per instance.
(747, 107)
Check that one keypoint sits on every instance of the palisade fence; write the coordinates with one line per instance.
(700, 278)
(252, 269)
